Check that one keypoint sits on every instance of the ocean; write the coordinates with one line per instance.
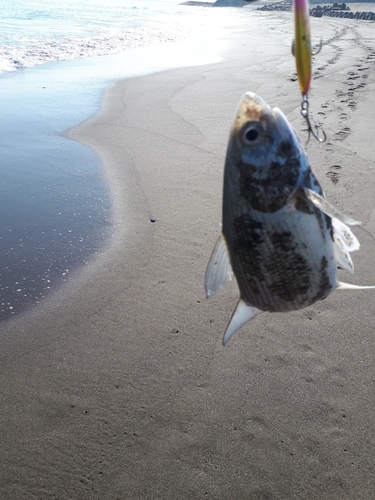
(35, 32)
(56, 59)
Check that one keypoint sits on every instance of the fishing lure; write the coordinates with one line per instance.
(301, 49)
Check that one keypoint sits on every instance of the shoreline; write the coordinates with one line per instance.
(54, 207)
(60, 219)
(118, 386)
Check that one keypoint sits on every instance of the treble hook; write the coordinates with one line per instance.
(305, 114)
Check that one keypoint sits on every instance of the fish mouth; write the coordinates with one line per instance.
(254, 108)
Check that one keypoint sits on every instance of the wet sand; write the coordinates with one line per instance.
(118, 385)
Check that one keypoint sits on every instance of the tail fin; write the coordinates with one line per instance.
(348, 286)
(241, 315)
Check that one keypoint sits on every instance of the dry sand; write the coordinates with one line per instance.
(118, 386)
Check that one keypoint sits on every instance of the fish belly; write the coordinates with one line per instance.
(282, 261)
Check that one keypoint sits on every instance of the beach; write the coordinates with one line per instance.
(117, 385)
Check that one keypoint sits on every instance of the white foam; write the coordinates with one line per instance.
(46, 30)
(28, 53)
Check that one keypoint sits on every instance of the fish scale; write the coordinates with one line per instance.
(281, 239)
(282, 268)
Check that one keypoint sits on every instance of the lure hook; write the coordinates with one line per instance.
(305, 114)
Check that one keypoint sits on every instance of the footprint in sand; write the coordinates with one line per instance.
(305, 348)
(343, 116)
(343, 133)
(333, 173)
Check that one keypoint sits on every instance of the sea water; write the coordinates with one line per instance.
(54, 204)
(37, 31)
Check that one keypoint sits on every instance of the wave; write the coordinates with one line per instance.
(27, 53)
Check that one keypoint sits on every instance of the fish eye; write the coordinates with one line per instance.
(253, 134)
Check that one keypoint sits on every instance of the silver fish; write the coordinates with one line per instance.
(280, 238)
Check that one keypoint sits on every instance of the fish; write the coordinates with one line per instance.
(281, 238)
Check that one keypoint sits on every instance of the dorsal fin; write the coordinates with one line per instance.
(344, 242)
(349, 239)
(342, 254)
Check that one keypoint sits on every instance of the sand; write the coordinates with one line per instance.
(118, 386)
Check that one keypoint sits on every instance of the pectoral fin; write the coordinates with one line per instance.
(322, 204)
(242, 314)
(219, 270)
